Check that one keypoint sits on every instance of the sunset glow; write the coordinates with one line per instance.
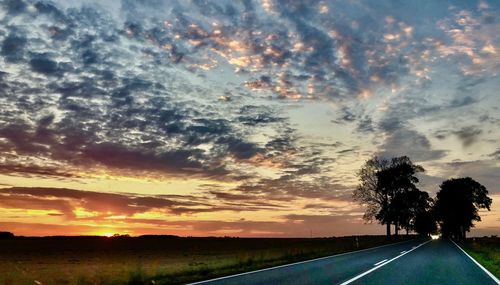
(227, 118)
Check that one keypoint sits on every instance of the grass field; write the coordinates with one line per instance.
(486, 251)
(155, 260)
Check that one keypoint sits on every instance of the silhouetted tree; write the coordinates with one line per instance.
(368, 193)
(398, 181)
(408, 205)
(425, 223)
(6, 235)
(457, 205)
(380, 182)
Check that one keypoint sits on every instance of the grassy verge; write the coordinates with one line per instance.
(486, 251)
(157, 260)
(228, 268)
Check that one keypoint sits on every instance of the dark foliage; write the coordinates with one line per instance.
(388, 190)
(6, 235)
(457, 206)
(425, 223)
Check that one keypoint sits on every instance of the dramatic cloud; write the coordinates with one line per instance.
(68, 202)
(245, 105)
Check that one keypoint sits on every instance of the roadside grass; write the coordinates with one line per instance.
(486, 251)
(244, 264)
(157, 260)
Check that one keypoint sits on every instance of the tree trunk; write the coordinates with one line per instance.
(396, 229)
(388, 228)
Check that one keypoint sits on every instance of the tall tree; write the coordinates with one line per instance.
(425, 223)
(457, 205)
(408, 206)
(398, 182)
(368, 192)
(380, 182)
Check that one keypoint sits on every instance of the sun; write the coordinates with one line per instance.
(108, 235)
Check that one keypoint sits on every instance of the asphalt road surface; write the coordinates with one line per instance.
(413, 262)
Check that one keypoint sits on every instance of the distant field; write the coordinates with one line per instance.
(156, 260)
(486, 251)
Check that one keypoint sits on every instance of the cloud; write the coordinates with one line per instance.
(64, 208)
(107, 110)
(410, 143)
(468, 135)
(100, 206)
(117, 156)
(229, 91)
(14, 7)
(35, 170)
(496, 154)
(484, 171)
(252, 115)
(365, 125)
(13, 47)
(42, 64)
(85, 74)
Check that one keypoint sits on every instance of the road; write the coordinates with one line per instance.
(412, 262)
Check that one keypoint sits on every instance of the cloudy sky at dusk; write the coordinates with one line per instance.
(240, 118)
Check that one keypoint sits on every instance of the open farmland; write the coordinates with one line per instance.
(155, 259)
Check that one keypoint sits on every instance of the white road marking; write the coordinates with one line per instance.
(403, 251)
(291, 264)
(380, 265)
(480, 266)
(380, 262)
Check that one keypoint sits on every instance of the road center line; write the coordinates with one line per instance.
(380, 265)
(380, 262)
(477, 263)
(403, 251)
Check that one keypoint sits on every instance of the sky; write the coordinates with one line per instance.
(237, 118)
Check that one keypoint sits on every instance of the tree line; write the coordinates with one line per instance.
(388, 189)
